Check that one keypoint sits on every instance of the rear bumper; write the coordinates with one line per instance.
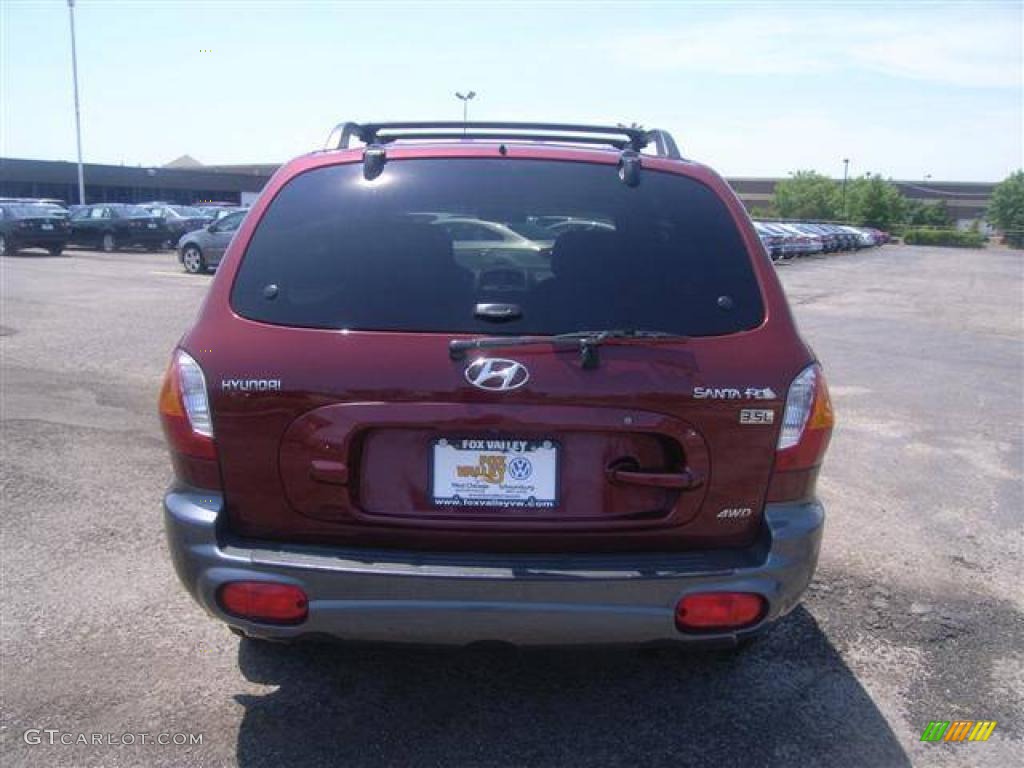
(38, 239)
(145, 237)
(460, 598)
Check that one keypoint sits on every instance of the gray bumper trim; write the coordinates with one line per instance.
(460, 598)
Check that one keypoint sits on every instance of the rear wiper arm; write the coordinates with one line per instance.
(586, 342)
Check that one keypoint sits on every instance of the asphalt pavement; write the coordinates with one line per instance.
(916, 614)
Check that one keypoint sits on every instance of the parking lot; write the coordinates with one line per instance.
(916, 614)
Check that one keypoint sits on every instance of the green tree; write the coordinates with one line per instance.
(919, 214)
(764, 212)
(808, 195)
(1006, 211)
(874, 202)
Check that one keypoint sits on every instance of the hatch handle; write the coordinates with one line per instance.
(679, 481)
(330, 472)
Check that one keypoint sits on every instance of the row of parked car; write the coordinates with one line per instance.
(787, 239)
(49, 224)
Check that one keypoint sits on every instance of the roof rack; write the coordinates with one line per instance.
(620, 137)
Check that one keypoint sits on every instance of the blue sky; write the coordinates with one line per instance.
(753, 89)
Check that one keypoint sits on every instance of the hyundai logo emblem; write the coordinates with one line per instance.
(496, 374)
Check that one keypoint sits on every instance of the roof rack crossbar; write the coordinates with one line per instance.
(619, 137)
(446, 135)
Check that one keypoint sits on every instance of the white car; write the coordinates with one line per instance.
(493, 241)
(864, 239)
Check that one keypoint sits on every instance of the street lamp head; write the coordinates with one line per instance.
(465, 96)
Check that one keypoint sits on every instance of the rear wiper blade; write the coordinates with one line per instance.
(586, 342)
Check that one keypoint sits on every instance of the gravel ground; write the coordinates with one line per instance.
(915, 615)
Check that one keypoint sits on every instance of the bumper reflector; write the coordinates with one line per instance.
(712, 611)
(264, 601)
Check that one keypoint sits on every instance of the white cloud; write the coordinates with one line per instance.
(975, 45)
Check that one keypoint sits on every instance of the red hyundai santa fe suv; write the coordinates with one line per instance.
(530, 383)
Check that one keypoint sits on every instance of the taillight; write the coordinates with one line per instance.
(186, 418)
(806, 429)
(717, 611)
(264, 601)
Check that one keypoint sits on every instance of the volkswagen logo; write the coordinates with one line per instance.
(496, 374)
(520, 468)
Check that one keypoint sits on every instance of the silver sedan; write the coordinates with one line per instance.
(202, 249)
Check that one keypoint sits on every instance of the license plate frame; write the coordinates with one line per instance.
(520, 473)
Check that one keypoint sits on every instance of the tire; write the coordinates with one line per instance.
(6, 249)
(108, 243)
(57, 250)
(192, 259)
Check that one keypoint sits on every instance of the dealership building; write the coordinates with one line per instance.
(186, 181)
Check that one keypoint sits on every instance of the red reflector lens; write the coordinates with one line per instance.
(719, 610)
(264, 601)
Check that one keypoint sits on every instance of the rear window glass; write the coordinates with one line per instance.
(31, 210)
(425, 243)
(131, 211)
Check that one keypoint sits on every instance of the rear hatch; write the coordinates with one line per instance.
(39, 224)
(341, 413)
(147, 226)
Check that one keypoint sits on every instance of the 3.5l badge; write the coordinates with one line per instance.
(757, 416)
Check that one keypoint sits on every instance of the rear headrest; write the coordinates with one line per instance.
(585, 251)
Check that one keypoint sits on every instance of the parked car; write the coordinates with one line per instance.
(830, 241)
(863, 239)
(30, 225)
(57, 206)
(806, 243)
(179, 219)
(117, 225)
(202, 249)
(573, 224)
(879, 237)
(373, 443)
(794, 244)
(53, 207)
(791, 242)
(52, 201)
(774, 243)
(220, 213)
(498, 242)
(845, 241)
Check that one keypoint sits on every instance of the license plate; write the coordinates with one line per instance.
(46, 226)
(151, 225)
(495, 473)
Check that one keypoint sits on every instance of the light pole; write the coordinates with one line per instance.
(846, 173)
(78, 118)
(465, 98)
